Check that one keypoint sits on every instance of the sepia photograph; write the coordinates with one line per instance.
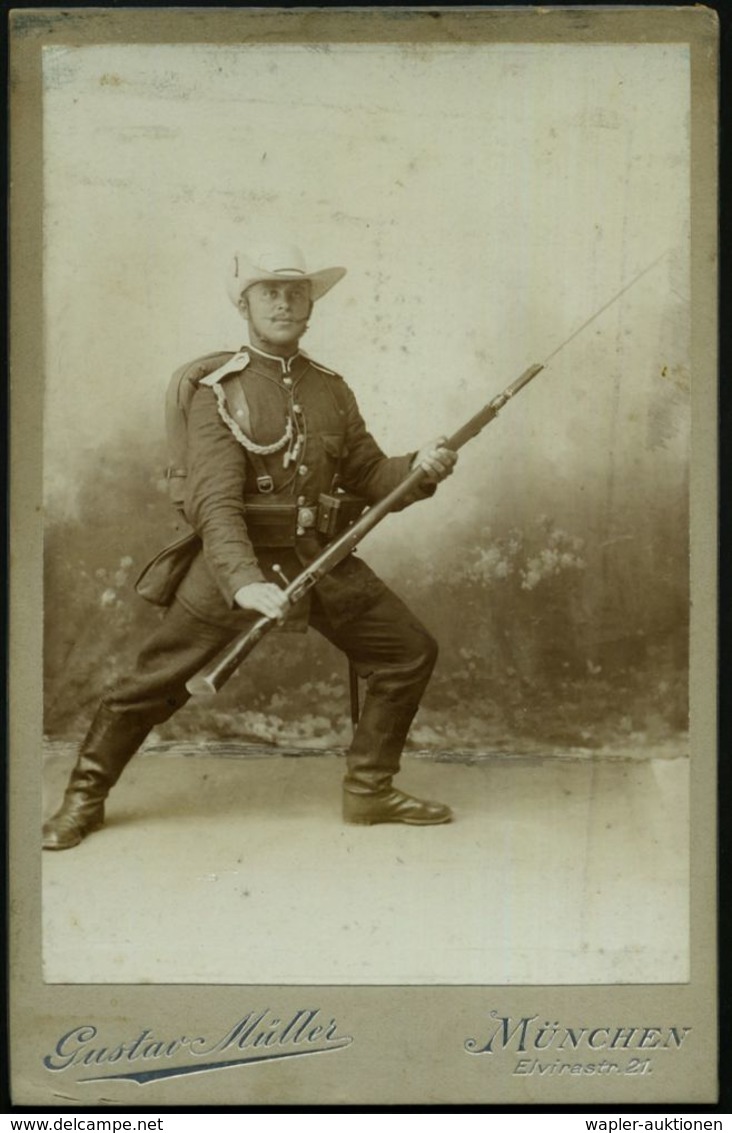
(371, 430)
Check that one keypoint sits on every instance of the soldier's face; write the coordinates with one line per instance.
(277, 314)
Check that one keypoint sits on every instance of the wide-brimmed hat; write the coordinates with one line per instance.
(277, 262)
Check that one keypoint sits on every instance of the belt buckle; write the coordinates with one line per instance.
(305, 517)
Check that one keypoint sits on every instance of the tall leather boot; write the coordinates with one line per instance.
(373, 759)
(110, 743)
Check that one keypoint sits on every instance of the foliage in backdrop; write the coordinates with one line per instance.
(553, 635)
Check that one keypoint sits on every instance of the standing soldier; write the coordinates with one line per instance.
(275, 458)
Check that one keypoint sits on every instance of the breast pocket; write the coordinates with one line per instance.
(334, 445)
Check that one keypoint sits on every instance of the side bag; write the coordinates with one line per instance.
(163, 575)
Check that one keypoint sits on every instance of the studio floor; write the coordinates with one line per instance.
(240, 871)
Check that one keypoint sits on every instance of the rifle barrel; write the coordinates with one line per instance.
(216, 673)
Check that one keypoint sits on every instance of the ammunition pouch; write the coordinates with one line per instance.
(336, 512)
(271, 521)
(274, 521)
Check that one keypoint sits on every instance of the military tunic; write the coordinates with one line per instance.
(389, 647)
(334, 443)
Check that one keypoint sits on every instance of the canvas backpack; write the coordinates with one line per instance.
(181, 388)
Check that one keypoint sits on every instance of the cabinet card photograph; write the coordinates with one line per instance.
(362, 629)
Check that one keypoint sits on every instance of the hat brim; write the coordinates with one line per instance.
(320, 281)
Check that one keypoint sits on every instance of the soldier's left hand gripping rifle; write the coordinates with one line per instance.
(214, 675)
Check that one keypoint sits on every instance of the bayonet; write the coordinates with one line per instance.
(214, 675)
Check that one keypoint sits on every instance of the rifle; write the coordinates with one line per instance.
(215, 674)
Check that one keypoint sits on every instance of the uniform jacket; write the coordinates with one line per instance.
(335, 440)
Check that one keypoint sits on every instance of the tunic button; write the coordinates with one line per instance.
(302, 470)
(240, 412)
(300, 531)
(300, 501)
(297, 408)
(287, 381)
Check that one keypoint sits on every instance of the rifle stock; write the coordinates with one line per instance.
(215, 674)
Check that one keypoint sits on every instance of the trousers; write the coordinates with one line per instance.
(387, 644)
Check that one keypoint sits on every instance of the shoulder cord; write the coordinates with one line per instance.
(242, 438)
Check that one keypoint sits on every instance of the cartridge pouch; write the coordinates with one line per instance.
(337, 511)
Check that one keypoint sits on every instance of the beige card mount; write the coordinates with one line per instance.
(498, 184)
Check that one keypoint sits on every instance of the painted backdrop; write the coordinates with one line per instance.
(486, 200)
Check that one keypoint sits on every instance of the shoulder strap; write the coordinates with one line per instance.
(323, 369)
(234, 363)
